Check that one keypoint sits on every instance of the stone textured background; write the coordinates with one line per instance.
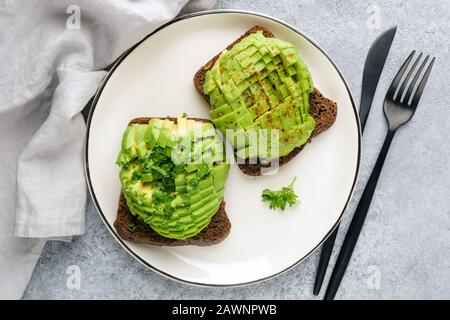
(406, 238)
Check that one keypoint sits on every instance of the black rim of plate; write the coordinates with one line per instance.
(94, 104)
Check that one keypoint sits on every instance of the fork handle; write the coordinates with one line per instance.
(357, 222)
(325, 255)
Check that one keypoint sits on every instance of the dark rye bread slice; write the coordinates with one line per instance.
(132, 228)
(322, 109)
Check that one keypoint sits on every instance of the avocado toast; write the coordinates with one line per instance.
(173, 173)
(259, 82)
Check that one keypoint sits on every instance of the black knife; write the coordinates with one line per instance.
(372, 71)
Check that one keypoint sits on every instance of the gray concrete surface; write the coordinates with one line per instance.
(404, 250)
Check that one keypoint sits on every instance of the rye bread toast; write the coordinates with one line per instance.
(322, 109)
(131, 228)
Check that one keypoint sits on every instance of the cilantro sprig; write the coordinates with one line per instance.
(281, 198)
(202, 172)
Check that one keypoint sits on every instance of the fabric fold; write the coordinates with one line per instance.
(51, 55)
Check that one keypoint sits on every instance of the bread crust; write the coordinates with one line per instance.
(322, 109)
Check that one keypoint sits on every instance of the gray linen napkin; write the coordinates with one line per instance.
(48, 53)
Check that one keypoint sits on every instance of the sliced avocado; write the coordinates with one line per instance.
(164, 137)
(146, 177)
(238, 137)
(199, 194)
(165, 134)
(244, 121)
(220, 174)
(154, 126)
(139, 137)
(202, 202)
(181, 125)
(226, 122)
(220, 111)
(128, 137)
(191, 167)
(162, 192)
(261, 83)
(133, 144)
(206, 210)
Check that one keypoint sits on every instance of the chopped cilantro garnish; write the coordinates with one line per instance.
(279, 199)
(160, 169)
(202, 171)
(136, 176)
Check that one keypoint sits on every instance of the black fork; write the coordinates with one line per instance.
(400, 105)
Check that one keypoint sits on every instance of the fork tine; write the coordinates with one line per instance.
(422, 85)
(408, 95)
(410, 73)
(398, 77)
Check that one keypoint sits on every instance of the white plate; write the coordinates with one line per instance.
(155, 79)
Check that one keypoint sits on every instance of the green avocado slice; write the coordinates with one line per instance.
(261, 83)
(176, 199)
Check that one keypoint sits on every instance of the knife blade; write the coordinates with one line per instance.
(372, 71)
(373, 68)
